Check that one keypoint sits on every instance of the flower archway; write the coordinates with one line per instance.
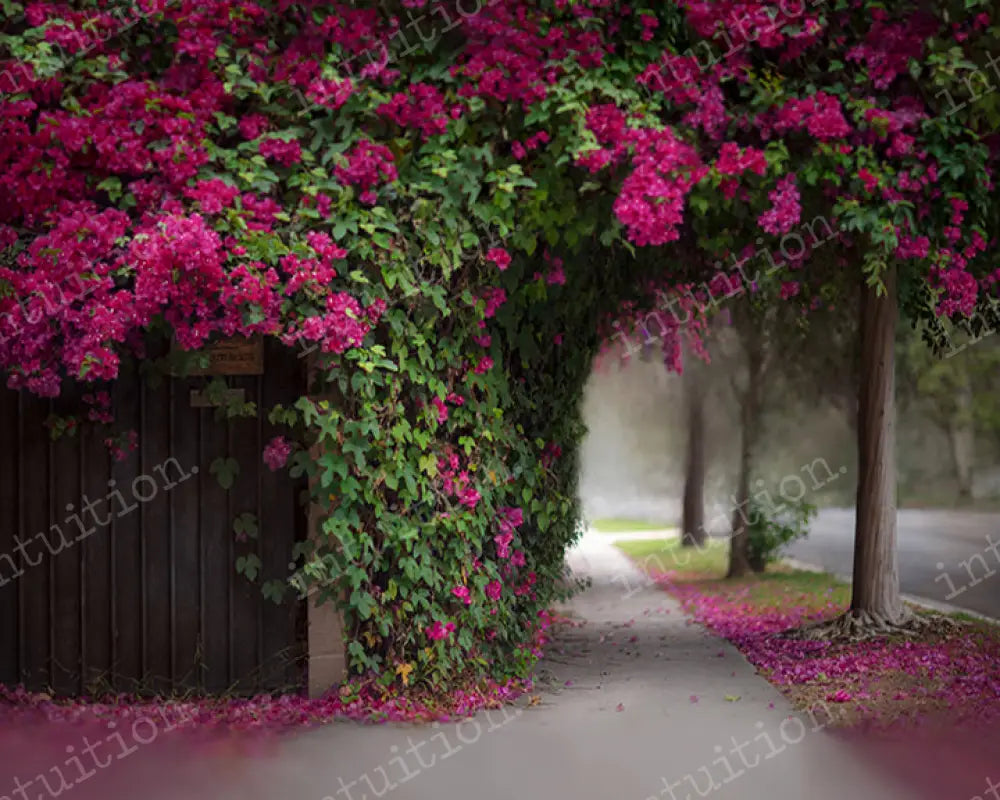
(449, 209)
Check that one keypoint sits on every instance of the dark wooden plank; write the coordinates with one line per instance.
(34, 500)
(246, 596)
(63, 538)
(96, 570)
(215, 520)
(127, 540)
(161, 478)
(186, 498)
(10, 562)
(281, 524)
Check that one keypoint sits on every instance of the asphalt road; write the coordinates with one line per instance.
(944, 556)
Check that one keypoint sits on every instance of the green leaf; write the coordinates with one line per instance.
(248, 566)
(225, 471)
(246, 525)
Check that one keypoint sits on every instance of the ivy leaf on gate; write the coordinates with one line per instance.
(225, 471)
(245, 526)
(249, 566)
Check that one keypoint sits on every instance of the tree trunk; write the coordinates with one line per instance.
(962, 438)
(739, 549)
(693, 519)
(739, 545)
(876, 578)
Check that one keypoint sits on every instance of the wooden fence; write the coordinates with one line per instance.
(120, 575)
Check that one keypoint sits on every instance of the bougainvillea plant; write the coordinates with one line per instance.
(445, 207)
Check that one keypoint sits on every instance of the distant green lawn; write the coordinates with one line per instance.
(707, 565)
(668, 555)
(626, 525)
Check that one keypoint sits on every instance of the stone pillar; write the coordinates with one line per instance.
(327, 666)
(327, 650)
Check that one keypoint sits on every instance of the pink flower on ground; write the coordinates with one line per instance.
(839, 696)
(276, 452)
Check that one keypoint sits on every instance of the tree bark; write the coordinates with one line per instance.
(962, 438)
(693, 519)
(876, 577)
(739, 547)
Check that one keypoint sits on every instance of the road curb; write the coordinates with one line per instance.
(923, 602)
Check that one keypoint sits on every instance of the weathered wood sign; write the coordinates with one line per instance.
(235, 356)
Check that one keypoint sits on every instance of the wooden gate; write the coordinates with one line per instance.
(120, 575)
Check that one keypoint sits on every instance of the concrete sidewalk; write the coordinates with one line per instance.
(636, 704)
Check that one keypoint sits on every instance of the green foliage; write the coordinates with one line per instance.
(225, 471)
(770, 529)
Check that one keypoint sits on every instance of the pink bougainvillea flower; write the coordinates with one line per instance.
(790, 289)
(421, 107)
(462, 593)
(502, 541)
(494, 299)
(785, 211)
(276, 452)
(120, 446)
(494, 589)
(441, 408)
(869, 180)
(284, 153)
(500, 257)
(469, 497)
(439, 631)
